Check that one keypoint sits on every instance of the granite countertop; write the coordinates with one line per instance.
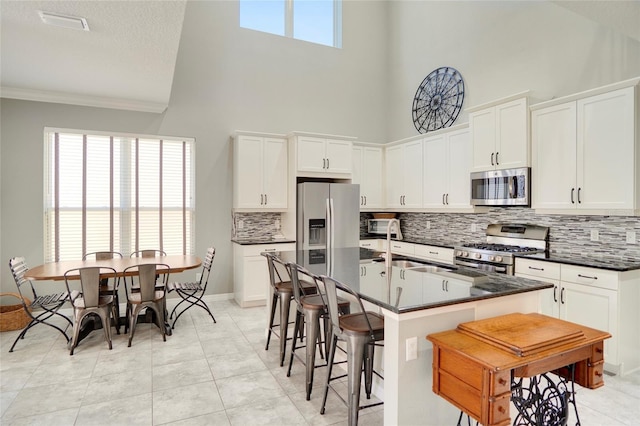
(423, 241)
(255, 241)
(601, 262)
(407, 290)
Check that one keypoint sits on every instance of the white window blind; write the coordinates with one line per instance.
(117, 192)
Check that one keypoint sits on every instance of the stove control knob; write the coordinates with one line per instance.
(492, 257)
(478, 256)
(465, 254)
(498, 258)
(459, 253)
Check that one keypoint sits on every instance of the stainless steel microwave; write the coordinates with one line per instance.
(379, 226)
(510, 187)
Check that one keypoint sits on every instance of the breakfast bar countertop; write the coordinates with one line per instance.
(408, 289)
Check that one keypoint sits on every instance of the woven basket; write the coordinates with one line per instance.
(13, 317)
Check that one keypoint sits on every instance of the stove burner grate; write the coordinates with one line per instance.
(501, 247)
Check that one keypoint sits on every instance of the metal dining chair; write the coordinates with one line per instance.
(50, 304)
(148, 296)
(282, 292)
(193, 292)
(109, 287)
(148, 253)
(311, 309)
(89, 300)
(361, 331)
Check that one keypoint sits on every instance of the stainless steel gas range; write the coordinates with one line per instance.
(503, 242)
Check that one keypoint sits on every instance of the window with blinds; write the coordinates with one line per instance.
(117, 192)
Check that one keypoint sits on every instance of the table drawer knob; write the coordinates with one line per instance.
(502, 381)
(598, 350)
(501, 409)
(598, 373)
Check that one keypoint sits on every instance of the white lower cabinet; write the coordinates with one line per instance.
(400, 247)
(437, 254)
(439, 288)
(371, 244)
(251, 274)
(601, 299)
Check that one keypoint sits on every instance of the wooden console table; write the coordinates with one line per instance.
(474, 366)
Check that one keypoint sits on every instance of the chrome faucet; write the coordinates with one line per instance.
(398, 236)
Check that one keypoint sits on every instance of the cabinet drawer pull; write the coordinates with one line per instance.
(587, 276)
(270, 249)
(572, 191)
(579, 201)
(261, 199)
(434, 252)
(447, 199)
(562, 296)
(555, 293)
(536, 269)
(497, 161)
(328, 163)
(492, 159)
(265, 200)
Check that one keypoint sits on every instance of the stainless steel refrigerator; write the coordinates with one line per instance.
(328, 215)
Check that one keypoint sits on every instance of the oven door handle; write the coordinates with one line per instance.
(502, 269)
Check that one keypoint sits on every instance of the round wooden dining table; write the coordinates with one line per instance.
(54, 271)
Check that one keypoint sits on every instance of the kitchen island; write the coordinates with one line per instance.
(417, 300)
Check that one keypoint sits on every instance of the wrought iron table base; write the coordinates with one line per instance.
(542, 401)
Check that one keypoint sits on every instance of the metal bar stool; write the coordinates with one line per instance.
(282, 292)
(310, 309)
(361, 332)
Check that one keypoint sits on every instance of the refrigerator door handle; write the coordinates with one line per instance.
(329, 227)
(332, 223)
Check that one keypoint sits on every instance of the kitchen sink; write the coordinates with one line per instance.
(406, 264)
(429, 268)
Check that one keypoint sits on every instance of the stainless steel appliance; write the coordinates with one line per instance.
(511, 187)
(328, 215)
(379, 226)
(503, 242)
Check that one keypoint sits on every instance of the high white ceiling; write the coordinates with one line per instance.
(128, 58)
(126, 61)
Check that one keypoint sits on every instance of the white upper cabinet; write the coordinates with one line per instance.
(367, 172)
(260, 172)
(500, 136)
(322, 156)
(446, 171)
(403, 175)
(585, 155)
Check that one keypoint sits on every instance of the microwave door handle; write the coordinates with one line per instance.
(513, 183)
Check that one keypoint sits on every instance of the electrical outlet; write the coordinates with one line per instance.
(428, 224)
(474, 227)
(277, 223)
(412, 348)
(631, 237)
(241, 224)
(595, 235)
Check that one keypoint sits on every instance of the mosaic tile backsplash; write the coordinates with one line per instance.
(254, 225)
(567, 234)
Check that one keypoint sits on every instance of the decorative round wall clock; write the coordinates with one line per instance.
(438, 100)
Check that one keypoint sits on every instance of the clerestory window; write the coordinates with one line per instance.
(315, 21)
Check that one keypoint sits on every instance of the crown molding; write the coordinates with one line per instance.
(82, 100)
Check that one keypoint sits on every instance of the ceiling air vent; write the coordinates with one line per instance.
(64, 21)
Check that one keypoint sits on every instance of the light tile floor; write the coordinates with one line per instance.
(204, 374)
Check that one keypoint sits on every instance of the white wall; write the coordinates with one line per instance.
(500, 48)
(226, 78)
